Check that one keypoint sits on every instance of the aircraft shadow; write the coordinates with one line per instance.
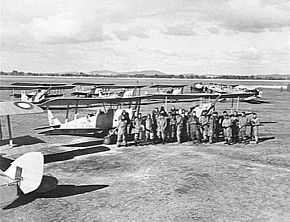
(265, 138)
(54, 191)
(22, 140)
(257, 102)
(55, 157)
(86, 144)
(4, 163)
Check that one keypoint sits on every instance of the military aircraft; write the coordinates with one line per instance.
(173, 89)
(8, 108)
(259, 87)
(36, 92)
(87, 89)
(254, 93)
(99, 122)
(23, 176)
(109, 90)
(175, 93)
(102, 120)
(120, 91)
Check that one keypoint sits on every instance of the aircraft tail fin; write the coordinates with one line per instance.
(129, 93)
(27, 171)
(52, 120)
(40, 96)
(24, 97)
(93, 90)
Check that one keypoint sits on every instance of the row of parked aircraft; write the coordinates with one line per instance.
(108, 101)
(39, 93)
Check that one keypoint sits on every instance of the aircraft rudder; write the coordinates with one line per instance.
(52, 120)
(28, 170)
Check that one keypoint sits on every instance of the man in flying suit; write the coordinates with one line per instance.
(149, 128)
(213, 127)
(249, 127)
(221, 119)
(180, 119)
(255, 122)
(172, 126)
(193, 128)
(203, 119)
(122, 130)
(235, 127)
(154, 124)
(162, 125)
(227, 126)
(137, 128)
(243, 123)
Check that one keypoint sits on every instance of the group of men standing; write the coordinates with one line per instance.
(181, 125)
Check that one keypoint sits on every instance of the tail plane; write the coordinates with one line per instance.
(24, 97)
(27, 171)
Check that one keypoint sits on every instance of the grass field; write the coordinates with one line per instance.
(171, 182)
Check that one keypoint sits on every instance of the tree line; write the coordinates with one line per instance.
(180, 76)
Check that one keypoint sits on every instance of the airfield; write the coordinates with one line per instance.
(90, 181)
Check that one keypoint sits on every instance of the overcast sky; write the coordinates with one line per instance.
(173, 36)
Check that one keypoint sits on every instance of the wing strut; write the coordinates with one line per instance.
(166, 103)
(1, 133)
(138, 106)
(9, 131)
(67, 113)
(76, 110)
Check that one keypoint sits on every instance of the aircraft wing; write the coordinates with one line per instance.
(37, 84)
(17, 108)
(73, 101)
(91, 84)
(79, 93)
(121, 86)
(168, 86)
(61, 87)
(32, 87)
(200, 95)
(237, 95)
(76, 132)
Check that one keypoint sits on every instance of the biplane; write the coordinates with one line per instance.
(109, 90)
(173, 89)
(36, 92)
(105, 118)
(87, 89)
(96, 123)
(175, 93)
(170, 93)
(254, 93)
(8, 108)
(260, 87)
(24, 175)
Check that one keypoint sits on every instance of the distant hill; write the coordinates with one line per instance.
(104, 72)
(131, 73)
(145, 73)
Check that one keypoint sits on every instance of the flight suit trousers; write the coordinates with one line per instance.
(122, 137)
